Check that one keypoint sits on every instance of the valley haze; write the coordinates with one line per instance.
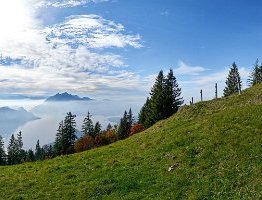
(52, 110)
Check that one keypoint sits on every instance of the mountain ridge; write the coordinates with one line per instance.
(66, 97)
(11, 119)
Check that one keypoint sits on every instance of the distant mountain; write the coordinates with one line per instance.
(11, 119)
(66, 97)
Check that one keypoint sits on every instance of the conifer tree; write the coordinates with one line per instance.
(12, 151)
(2, 152)
(97, 129)
(172, 95)
(21, 152)
(39, 151)
(15, 153)
(69, 135)
(30, 156)
(88, 127)
(144, 113)
(122, 131)
(58, 146)
(109, 127)
(157, 99)
(233, 82)
(256, 74)
(49, 152)
(19, 140)
(130, 120)
(164, 100)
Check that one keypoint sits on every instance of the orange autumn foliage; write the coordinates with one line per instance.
(137, 128)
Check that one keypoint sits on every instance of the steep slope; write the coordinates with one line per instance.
(214, 147)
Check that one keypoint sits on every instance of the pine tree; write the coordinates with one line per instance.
(12, 151)
(49, 152)
(172, 95)
(164, 100)
(21, 152)
(69, 135)
(58, 146)
(97, 129)
(30, 156)
(233, 82)
(130, 121)
(88, 127)
(256, 74)
(39, 152)
(157, 99)
(122, 131)
(19, 140)
(109, 127)
(2, 152)
(144, 113)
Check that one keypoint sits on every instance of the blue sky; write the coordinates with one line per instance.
(115, 48)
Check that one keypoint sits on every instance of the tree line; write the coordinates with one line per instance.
(93, 136)
(164, 101)
(66, 141)
(16, 154)
(165, 96)
(234, 82)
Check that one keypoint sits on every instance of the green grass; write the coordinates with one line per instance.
(216, 147)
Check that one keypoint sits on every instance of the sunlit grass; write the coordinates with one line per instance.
(215, 148)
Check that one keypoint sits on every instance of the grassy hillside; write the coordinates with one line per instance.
(215, 148)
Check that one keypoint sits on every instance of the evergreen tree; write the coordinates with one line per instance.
(164, 100)
(39, 151)
(2, 152)
(256, 74)
(12, 151)
(21, 152)
(30, 156)
(157, 111)
(58, 146)
(97, 129)
(122, 131)
(172, 95)
(233, 82)
(88, 127)
(23, 156)
(130, 120)
(49, 152)
(19, 140)
(69, 134)
(144, 113)
(109, 127)
(15, 152)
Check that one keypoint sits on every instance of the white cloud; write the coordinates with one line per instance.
(184, 69)
(63, 56)
(92, 31)
(68, 3)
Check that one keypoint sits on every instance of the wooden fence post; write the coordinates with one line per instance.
(216, 91)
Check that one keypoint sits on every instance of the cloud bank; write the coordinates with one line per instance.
(74, 55)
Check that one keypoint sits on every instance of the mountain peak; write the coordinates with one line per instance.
(66, 97)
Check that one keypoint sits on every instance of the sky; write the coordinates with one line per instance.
(114, 49)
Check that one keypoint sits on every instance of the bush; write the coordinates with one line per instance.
(137, 128)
